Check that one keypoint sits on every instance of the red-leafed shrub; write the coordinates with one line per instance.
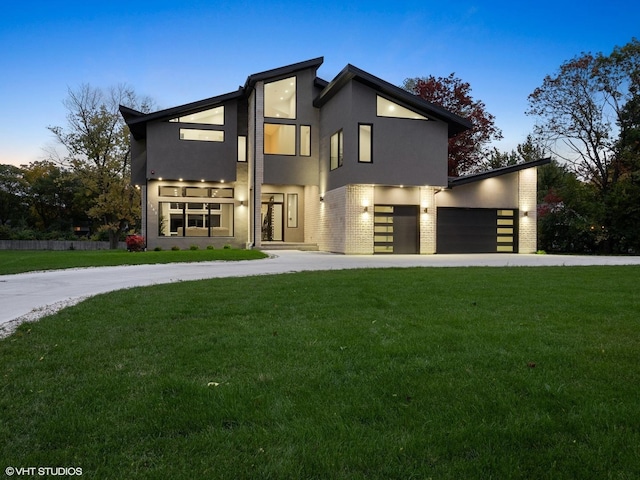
(135, 243)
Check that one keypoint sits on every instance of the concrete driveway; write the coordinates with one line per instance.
(29, 296)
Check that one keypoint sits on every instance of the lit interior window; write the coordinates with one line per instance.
(280, 98)
(213, 116)
(387, 108)
(242, 148)
(279, 139)
(201, 135)
(305, 140)
(364, 143)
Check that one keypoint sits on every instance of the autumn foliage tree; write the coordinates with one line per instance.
(587, 113)
(468, 150)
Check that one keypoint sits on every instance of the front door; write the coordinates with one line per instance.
(272, 215)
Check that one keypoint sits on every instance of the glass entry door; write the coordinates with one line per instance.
(272, 215)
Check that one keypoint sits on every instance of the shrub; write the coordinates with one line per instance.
(157, 249)
(227, 246)
(210, 247)
(135, 243)
(194, 247)
(175, 248)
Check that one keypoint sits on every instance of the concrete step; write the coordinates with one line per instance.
(307, 247)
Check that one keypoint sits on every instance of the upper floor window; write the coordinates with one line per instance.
(280, 98)
(279, 139)
(387, 108)
(305, 140)
(201, 135)
(365, 136)
(213, 116)
(242, 148)
(337, 150)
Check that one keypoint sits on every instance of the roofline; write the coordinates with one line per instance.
(496, 172)
(136, 120)
(281, 71)
(457, 124)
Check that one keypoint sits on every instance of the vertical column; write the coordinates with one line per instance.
(527, 205)
(428, 220)
(258, 159)
(358, 222)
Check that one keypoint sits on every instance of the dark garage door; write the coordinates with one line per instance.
(476, 230)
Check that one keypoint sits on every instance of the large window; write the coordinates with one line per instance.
(336, 150)
(364, 143)
(201, 135)
(213, 116)
(176, 191)
(279, 139)
(387, 108)
(280, 98)
(178, 219)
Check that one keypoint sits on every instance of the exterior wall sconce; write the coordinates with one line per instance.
(242, 203)
(526, 213)
(425, 210)
(366, 209)
(321, 198)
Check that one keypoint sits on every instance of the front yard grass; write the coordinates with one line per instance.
(19, 261)
(448, 373)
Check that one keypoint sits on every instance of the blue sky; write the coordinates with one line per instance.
(181, 51)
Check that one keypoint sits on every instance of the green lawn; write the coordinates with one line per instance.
(19, 261)
(447, 373)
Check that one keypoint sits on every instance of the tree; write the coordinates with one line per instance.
(98, 152)
(13, 200)
(467, 150)
(51, 196)
(582, 111)
(524, 152)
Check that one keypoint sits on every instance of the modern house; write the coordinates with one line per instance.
(355, 165)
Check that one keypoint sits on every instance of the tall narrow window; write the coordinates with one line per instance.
(201, 135)
(364, 143)
(337, 150)
(305, 140)
(280, 98)
(292, 210)
(242, 148)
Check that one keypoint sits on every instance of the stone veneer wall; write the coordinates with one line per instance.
(428, 221)
(331, 223)
(311, 214)
(527, 202)
(359, 224)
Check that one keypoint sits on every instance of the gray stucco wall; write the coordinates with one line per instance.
(405, 151)
(171, 158)
(496, 192)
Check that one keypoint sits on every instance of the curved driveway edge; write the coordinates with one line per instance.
(29, 296)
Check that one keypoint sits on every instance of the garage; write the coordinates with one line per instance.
(476, 230)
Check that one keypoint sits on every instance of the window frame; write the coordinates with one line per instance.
(281, 125)
(306, 144)
(360, 125)
(339, 135)
(295, 98)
